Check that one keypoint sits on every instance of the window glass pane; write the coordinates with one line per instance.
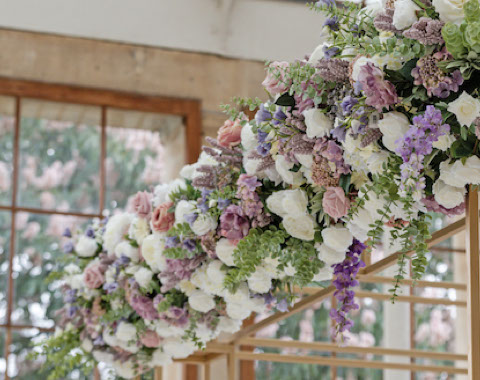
(5, 223)
(59, 156)
(7, 126)
(38, 245)
(143, 150)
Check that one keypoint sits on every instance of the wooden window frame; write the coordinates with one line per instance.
(188, 109)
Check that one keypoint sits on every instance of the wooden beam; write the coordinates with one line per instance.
(352, 363)
(473, 292)
(420, 283)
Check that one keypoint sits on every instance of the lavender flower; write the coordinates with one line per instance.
(333, 70)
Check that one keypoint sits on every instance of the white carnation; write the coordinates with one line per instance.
(126, 332)
(288, 202)
(324, 274)
(393, 126)
(237, 310)
(224, 250)
(318, 124)
(139, 230)
(152, 251)
(203, 224)
(116, 228)
(125, 369)
(201, 301)
(283, 168)
(103, 357)
(328, 255)
(86, 247)
(160, 358)
(186, 287)
(458, 174)
(300, 227)
(126, 249)
(228, 325)
(249, 138)
(448, 196)
(450, 10)
(376, 161)
(72, 269)
(177, 348)
(466, 108)
(259, 281)
(143, 276)
(337, 238)
(87, 345)
(188, 171)
(405, 14)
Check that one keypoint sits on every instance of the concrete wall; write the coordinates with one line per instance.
(147, 70)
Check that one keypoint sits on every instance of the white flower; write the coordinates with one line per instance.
(186, 287)
(250, 164)
(300, 227)
(72, 269)
(260, 281)
(143, 276)
(444, 142)
(183, 208)
(283, 168)
(124, 369)
(237, 310)
(159, 358)
(161, 193)
(241, 295)
(75, 281)
(290, 270)
(203, 224)
(87, 345)
(328, 255)
(355, 155)
(126, 249)
(228, 325)
(450, 10)
(466, 108)
(459, 175)
(152, 251)
(216, 274)
(324, 274)
(139, 230)
(188, 171)
(224, 251)
(115, 229)
(373, 7)
(103, 357)
(393, 126)
(126, 332)
(177, 348)
(376, 161)
(165, 329)
(86, 247)
(201, 301)
(288, 202)
(317, 54)
(405, 14)
(305, 159)
(448, 196)
(249, 139)
(318, 124)
(337, 238)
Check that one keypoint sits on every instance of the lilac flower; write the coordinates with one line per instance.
(67, 233)
(345, 278)
(330, 52)
(331, 23)
(68, 247)
(189, 244)
(416, 144)
(262, 115)
(251, 204)
(171, 241)
(347, 104)
(89, 232)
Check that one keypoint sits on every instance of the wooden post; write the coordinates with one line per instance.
(158, 374)
(206, 371)
(233, 370)
(473, 285)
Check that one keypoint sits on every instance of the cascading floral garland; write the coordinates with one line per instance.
(379, 126)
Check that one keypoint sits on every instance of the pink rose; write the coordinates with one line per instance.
(141, 204)
(229, 133)
(275, 82)
(93, 275)
(162, 220)
(335, 203)
(150, 339)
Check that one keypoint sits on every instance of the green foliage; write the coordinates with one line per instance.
(187, 192)
(183, 232)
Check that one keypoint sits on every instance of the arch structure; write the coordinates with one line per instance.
(240, 346)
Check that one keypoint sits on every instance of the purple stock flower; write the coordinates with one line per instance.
(68, 247)
(67, 233)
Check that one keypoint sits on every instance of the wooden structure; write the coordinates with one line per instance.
(466, 363)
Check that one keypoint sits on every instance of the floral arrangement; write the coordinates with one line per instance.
(356, 144)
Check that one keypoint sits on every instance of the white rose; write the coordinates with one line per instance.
(186, 287)
(358, 232)
(237, 310)
(215, 272)
(143, 276)
(139, 230)
(177, 348)
(125, 369)
(126, 249)
(328, 255)
(393, 126)
(203, 224)
(300, 227)
(241, 295)
(444, 142)
(405, 14)
(249, 139)
(183, 208)
(318, 124)
(116, 228)
(324, 274)
(75, 281)
(337, 238)
(288, 202)
(72, 269)
(376, 161)
(201, 301)
(305, 159)
(228, 325)
(450, 10)
(86, 247)
(160, 358)
(283, 168)
(459, 175)
(87, 345)
(448, 196)
(317, 54)
(466, 108)
(224, 251)
(152, 252)
(165, 329)
(126, 332)
(188, 171)
(259, 281)
(103, 357)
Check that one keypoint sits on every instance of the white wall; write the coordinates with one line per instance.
(252, 29)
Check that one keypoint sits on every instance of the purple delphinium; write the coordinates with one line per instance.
(67, 233)
(330, 52)
(331, 23)
(90, 232)
(416, 144)
(347, 104)
(262, 115)
(345, 274)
